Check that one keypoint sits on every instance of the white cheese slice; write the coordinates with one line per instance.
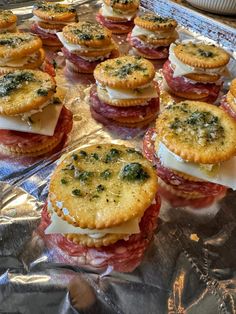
(58, 225)
(181, 68)
(108, 12)
(137, 30)
(147, 92)
(44, 122)
(226, 174)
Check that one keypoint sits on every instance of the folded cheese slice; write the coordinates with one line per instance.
(225, 174)
(43, 122)
(58, 225)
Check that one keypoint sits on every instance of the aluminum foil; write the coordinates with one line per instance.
(189, 267)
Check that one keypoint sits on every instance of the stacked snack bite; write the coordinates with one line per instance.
(228, 102)
(33, 120)
(194, 70)
(50, 19)
(152, 35)
(125, 92)
(102, 206)
(7, 21)
(193, 148)
(86, 44)
(118, 15)
(20, 51)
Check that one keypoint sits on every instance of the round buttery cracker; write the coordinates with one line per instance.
(233, 88)
(201, 55)
(123, 5)
(231, 101)
(90, 34)
(197, 132)
(155, 22)
(16, 45)
(102, 186)
(56, 12)
(203, 78)
(24, 90)
(125, 72)
(7, 18)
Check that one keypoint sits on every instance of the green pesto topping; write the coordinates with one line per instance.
(64, 181)
(134, 172)
(76, 192)
(95, 156)
(82, 154)
(89, 31)
(112, 155)
(12, 81)
(42, 92)
(155, 19)
(200, 124)
(106, 174)
(56, 101)
(54, 7)
(205, 53)
(113, 2)
(126, 69)
(15, 41)
(82, 175)
(133, 151)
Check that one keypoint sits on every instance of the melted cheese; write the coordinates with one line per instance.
(146, 92)
(181, 68)
(43, 122)
(109, 12)
(137, 30)
(225, 174)
(59, 225)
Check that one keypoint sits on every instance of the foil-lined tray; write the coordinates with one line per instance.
(189, 267)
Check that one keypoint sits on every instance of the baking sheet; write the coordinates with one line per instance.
(189, 268)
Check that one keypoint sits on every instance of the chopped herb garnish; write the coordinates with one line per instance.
(113, 155)
(42, 92)
(56, 100)
(75, 157)
(82, 175)
(95, 156)
(64, 181)
(134, 172)
(12, 81)
(76, 192)
(82, 153)
(105, 174)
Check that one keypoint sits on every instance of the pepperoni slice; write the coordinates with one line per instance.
(48, 67)
(114, 25)
(123, 256)
(113, 112)
(64, 126)
(184, 85)
(43, 34)
(172, 178)
(157, 53)
(227, 108)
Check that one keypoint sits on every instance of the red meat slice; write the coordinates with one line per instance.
(113, 112)
(43, 34)
(172, 178)
(123, 256)
(157, 53)
(181, 84)
(227, 108)
(114, 25)
(11, 138)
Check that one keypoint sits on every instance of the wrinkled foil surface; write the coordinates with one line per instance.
(189, 267)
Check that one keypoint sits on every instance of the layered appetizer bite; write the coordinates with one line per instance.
(194, 70)
(102, 206)
(20, 51)
(86, 44)
(8, 21)
(33, 119)
(125, 92)
(50, 19)
(152, 36)
(228, 102)
(193, 148)
(118, 15)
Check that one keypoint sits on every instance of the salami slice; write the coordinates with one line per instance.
(123, 256)
(227, 108)
(114, 25)
(172, 178)
(64, 126)
(157, 52)
(113, 112)
(43, 34)
(184, 85)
